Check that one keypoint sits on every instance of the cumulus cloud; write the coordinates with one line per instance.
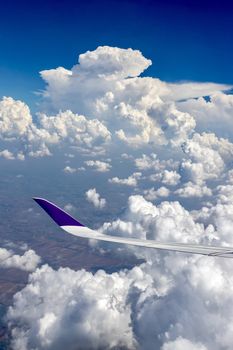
(23, 136)
(103, 107)
(94, 313)
(69, 170)
(108, 98)
(27, 262)
(93, 197)
(15, 118)
(225, 194)
(182, 344)
(148, 162)
(7, 154)
(170, 177)
(132, 180)
(129, 309)
(167, 177)
(75, 129)
(168, 221)
(105, 84)
(153, 194)
(111, 63)
(208, 157)
(219, 213)
(98, 165)
(159, 168)
(190, 189)
(157, 124)
(214, 114)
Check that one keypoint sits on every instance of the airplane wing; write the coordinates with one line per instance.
(74, 227)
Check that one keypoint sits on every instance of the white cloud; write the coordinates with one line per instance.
(98, 165)
(225, 194)
(15, 118)
(107, 97)
(152, 194)
(93, 197)
(190, 189)
(220, 216)
(152, 162)
(206, 283)
(168, 221)
(21, 136)
(132, 180)
(187, 91)
(111, 63)
(170, 178)
(157, 124)
(102, 106)
(147, 162)
(87, 311)
(182, 344)
(69, 170)
(144, 307)
(28, 261)
(69, 207)
(126, 156)
(75, 129)
(208, 157)
(106, 85)
(214, 115)
(176, 126)
(7, 154)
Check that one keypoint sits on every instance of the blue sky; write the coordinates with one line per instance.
(186, 40)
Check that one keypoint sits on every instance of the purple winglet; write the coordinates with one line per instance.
(57, 214)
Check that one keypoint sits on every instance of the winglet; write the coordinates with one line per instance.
(56, 213)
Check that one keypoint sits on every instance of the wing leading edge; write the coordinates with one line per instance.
(74, 227)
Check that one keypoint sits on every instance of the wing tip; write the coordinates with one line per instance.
(57, 214)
